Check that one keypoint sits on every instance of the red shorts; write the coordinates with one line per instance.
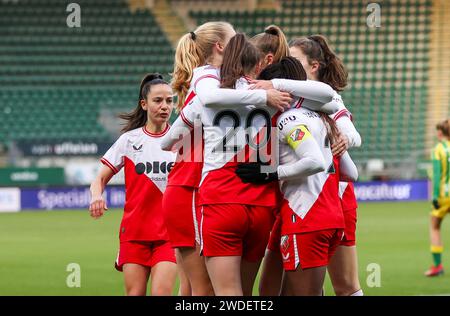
(275, 235)
(350, 228)
(144, 253)
(236, 230)
(309, 250)
(181, 215)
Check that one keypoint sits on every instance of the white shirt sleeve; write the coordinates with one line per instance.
(347, 169)
(346, 127)
(327, 108)
(209, 93)
(343, 119)
(115, 156)
(310, 158)
(183, 125)
(308, 89)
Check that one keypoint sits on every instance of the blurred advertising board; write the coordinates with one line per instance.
(68, 198)
(9, 200)
(63, 148)
(408, 190)
(17, 177)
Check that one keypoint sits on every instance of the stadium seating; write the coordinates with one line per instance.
(65, 76)
(55, 80)
(388, 66)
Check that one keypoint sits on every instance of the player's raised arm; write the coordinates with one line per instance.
(344, 123)
(347, 168)
(183, 125)
(215, 97)
(309, 89)
(214, 92)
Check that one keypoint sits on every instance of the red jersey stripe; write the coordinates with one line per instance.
(110, 165)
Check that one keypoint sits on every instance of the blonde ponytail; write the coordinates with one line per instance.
(193, 50)
(187, 57)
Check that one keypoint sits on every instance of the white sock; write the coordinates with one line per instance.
(358, 293)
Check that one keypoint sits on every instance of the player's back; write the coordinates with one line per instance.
(230, 136)
(188, 167)
(314, 199)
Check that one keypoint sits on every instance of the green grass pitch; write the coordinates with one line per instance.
(36, 247)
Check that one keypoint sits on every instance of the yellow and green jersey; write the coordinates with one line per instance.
(441, 170)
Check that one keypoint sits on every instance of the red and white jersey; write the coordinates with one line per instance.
(146, 169)
(227, 133)
(188, 167)
(347, 196)
(344, 122)
(310, 203)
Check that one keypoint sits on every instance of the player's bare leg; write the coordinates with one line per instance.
(136, 279)
(197, 274)
(436, 247)
(249, 271)
(225, 275)
(435, 231)
(307, 282)
(185, 285)
(163, 278)
(343, 270)
(271, 274)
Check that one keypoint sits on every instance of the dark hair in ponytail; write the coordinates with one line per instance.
(291, 68)
(286, 68)
(138, 117)
(331, 69)
(272, 40)
(239, 58)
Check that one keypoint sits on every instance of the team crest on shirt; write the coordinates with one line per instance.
(297, 135)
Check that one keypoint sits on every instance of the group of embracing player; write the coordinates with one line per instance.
(254, 170)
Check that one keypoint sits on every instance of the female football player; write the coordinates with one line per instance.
(145, 251)
(322, 64)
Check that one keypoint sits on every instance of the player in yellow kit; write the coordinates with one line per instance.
(441, 195)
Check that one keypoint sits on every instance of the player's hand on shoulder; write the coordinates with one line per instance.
(261, 84)
(279, 100)
(97, 207)
(341, 146)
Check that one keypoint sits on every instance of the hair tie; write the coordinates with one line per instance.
(271, 32)
(193, 36)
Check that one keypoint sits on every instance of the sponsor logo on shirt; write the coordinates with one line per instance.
(286, 120)
(154, 167)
